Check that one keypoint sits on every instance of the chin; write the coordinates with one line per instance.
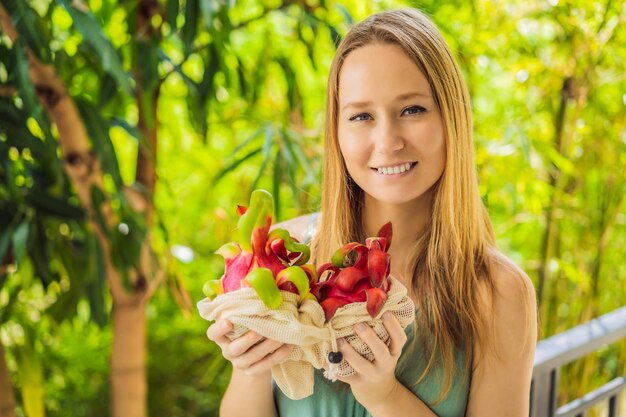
(395, 198)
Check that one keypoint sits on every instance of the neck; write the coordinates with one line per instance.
(408, 221)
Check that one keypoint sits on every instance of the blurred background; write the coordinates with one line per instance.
(130, 129)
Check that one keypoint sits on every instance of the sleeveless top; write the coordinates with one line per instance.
(334, 399)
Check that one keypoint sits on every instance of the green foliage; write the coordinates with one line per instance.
(240, 90)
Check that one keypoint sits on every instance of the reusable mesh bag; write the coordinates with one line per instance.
(304, 327)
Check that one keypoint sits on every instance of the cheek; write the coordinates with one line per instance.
(431, 142)
(351, 148)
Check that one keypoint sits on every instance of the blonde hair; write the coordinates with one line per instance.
(450, 258)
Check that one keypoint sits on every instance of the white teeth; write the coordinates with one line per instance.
(398, 169)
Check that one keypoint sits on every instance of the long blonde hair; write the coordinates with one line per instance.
(450, 258)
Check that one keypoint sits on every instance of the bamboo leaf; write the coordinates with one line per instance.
(54, 206)
(99, 134)
(40, 254)
(30, 373)
(345, 13)
(108, 87)
(31, 27)
(235, 164)
(95, 282)
(24, 84)
(5, 240)
(267, 148)
(89, 27)
(290, 163)
(148, 62)
(206, 7)
(276, 177)
(172, 13)
(247, 141)
(19, 240)
(190, 28)
(97, 200)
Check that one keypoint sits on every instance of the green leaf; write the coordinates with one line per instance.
(98, 198)
(108, 89)
(132, 130)
(39, 254)
(206, 7)
(20, 238)
(248, 140)
(276, 177)
(92, 33)
(30, 373)
(190, 28)
(31, 27)
(346, 14)
(148, 62)
(54, 206)
(5, 239)
(99, 133)
(334, 35)
(290, 163)
(172, 10)
(292, 86)
(267, 148)
(95, 281)
(24, 84)
(235, 164)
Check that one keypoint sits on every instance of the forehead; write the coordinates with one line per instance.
(377, 71)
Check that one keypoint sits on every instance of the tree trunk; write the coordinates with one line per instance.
(128, 361)
(7, 399)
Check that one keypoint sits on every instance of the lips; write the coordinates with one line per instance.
(395, 169)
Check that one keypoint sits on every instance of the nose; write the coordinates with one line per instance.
(387, 138)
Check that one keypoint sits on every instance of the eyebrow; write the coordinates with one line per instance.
(400, 97)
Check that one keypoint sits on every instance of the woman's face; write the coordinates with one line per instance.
(390, 130)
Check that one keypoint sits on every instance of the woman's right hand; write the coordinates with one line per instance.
(252, 354)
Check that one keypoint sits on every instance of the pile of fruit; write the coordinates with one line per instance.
(273, 261)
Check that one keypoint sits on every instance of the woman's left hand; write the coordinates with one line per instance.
(374, 381)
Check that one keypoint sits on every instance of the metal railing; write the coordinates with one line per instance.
(554, 352)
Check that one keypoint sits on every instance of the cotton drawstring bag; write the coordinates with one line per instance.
(303, 325)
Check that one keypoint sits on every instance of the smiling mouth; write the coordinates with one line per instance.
(395, 169)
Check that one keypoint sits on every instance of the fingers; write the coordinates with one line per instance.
(251, 353)
(371, 339)
(358, 362)
(384, 356)
(268, 362)
(250, 350)
(396, 334)
(217, 331)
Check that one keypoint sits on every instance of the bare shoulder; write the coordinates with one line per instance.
(502, 368)
(510, 281)
(297, 227)
(511, 306)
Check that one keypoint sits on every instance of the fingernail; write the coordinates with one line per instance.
(387, 315)
(341, 342)
(361, 327)
(224, 324)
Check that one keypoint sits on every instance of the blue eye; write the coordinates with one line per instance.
(414, 110)
(360, 117)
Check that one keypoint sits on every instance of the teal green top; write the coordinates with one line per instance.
(334, 399)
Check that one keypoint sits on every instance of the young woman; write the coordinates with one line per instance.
(399, 148)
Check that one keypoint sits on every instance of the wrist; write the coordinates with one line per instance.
(254, 379)
(376, 404)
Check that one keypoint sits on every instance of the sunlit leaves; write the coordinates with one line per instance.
(92, 33)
